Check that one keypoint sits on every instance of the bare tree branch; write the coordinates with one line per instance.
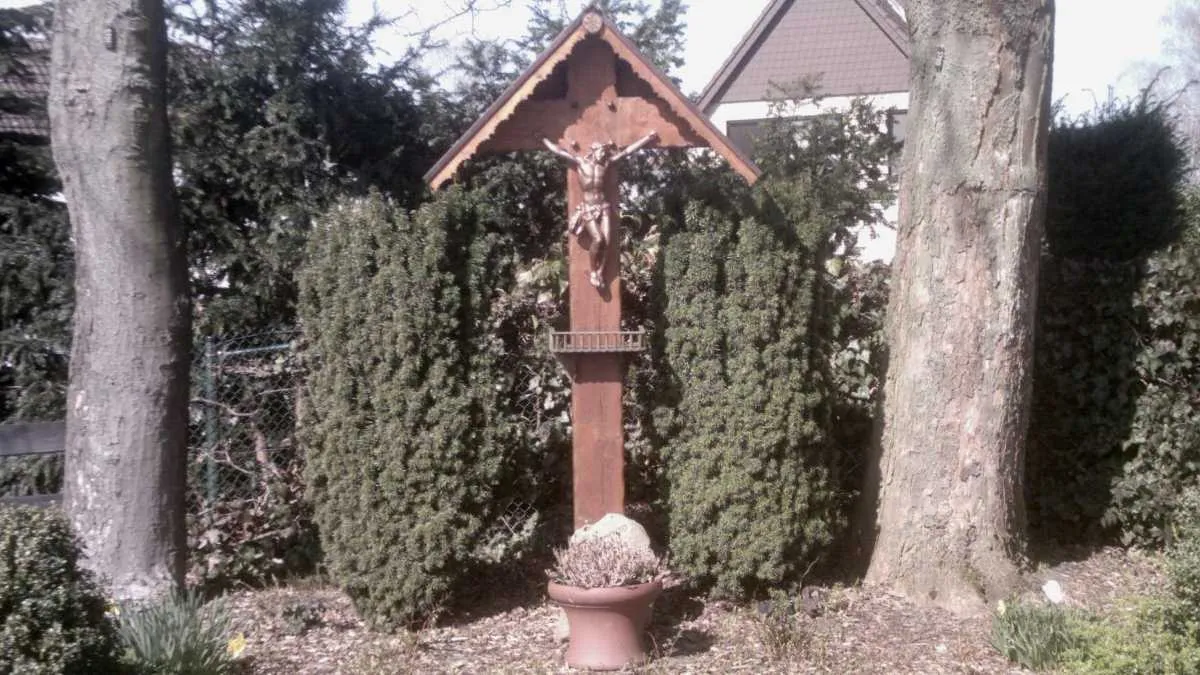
(463, 8)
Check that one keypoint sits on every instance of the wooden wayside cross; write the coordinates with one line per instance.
(590, 97)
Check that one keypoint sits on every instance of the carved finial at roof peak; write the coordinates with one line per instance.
(593, 22)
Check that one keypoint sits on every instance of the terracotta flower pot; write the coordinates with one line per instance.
(606, 624)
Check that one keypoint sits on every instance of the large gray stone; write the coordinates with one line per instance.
(629, 531)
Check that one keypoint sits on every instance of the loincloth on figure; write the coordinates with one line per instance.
(587, 213)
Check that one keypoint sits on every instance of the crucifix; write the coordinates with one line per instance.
(592, 216)
(592, 99)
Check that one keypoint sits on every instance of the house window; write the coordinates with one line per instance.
(744, 133)
(898, 124)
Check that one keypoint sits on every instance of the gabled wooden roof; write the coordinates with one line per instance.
(476, 138)
(857, 46)
(27, 79)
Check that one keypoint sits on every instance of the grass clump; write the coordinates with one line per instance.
(1033, 635)
(180, 635)
(1183, 556)
(780, 629)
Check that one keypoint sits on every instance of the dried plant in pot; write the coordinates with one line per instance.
(607, 589)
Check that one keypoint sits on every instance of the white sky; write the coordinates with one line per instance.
(1099, 43)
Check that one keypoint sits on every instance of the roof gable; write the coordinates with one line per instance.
(852, 46)
(24, 84)
(507, 122)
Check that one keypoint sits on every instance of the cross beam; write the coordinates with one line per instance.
(592, 86)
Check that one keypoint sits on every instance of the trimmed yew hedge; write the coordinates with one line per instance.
(402, 422)
(751, 499)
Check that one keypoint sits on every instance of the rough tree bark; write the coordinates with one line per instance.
(127, 398)
(950, 520)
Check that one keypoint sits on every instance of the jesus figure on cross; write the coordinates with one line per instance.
(592, 213)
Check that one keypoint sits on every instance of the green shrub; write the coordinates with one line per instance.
(405, 435)
(1145, 641)
(751, 501)
(52, 612)
(1115, 430)
(1114, 433)
(1033, 635)
(1113, 177)
(180, 635)
(1115, 426)
(32, 475)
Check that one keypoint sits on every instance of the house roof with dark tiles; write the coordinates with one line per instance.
(28, 79)
(852, 47)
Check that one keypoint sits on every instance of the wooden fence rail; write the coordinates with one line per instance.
(32, 439)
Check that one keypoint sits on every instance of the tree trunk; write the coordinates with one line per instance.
(127, 399)
(950, 521)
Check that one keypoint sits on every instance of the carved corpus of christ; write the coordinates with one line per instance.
(592, 214)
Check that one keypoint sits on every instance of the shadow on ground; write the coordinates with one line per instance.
(668, 634)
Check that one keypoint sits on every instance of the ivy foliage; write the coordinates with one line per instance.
(1115, 431)
(406, 439)
(1115, 437)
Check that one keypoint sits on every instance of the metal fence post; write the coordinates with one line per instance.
(211, 424)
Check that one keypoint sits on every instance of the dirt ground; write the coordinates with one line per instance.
(309, 628)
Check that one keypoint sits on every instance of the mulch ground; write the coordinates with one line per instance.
(309, 628)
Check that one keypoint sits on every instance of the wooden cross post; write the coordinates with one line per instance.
(592, 87)
(598, 442)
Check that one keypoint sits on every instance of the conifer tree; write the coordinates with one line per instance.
(405, 437)
(35, 250)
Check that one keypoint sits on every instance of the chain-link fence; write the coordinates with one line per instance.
(243, 413)
(242, 423)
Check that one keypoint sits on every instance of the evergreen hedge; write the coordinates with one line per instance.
(1114, 434)
(763, 340)
(751, 500)
(1113, 177)
(405, 436)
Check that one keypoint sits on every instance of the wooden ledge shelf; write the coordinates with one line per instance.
(597, 342)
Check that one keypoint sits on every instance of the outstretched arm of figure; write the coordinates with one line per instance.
(552, 147)
(635, 146)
